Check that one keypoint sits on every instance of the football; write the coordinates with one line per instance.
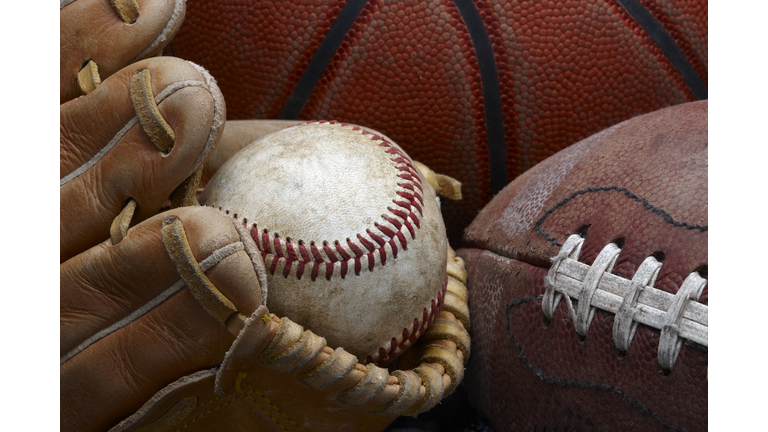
(478, 90)
(588, 284)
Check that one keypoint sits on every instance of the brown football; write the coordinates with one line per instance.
(588, 290)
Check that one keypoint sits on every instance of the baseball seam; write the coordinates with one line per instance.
(397, 345)
(384, 239)
(379, 242)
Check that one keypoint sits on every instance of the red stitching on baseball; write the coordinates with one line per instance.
(415, 220)
(394, 248)
(343, 270)
(265, 242)
(418, 329)
(329, 253)
(395, 222)
(410, 229)
(376, 238)
(394, 345)
(358, 252)
(386, 230)
(358, 266)
(403, 204)
(402, 218)
(304, 253)
(315, 270)
(367, 243)
(403, 242)
(255, 235)
(316, 253)
(290, 251)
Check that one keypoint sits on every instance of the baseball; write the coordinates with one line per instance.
(350, 233)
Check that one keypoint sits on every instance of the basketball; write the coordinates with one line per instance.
(480, 91)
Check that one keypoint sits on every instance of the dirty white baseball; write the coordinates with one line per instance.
(351, 234)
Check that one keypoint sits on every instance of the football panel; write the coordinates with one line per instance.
(529, 373)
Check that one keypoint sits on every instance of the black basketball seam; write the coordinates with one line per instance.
(664, 215)
(668, 46)
(572, 382)
(494, 122)
(322, 57)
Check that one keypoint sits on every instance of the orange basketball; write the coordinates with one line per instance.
(478, 90)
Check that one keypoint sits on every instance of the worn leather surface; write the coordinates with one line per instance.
(641, 184)
(113, 376)
(352, 236)
(101, 137)
(91, 30)
(261, 399)
(276, 376)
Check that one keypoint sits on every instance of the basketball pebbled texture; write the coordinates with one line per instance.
(480, 91)
(351, 235)
(641, 184)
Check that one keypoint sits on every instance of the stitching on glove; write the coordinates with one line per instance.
(177, 246)
(168, 31)
(241, 394)
(205, 265)
(131, 123)
(127, 10)
(152, 121)
(88, 78)
(203, 414)
(119, 228)
(415, 392)
(133, 316)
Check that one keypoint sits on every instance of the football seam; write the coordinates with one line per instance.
(564, 382)
(597, 189)
(678, 316)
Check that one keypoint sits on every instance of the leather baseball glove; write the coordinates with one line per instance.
(163, 323)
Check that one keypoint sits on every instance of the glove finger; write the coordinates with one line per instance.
(138, 135)
(130, 325)
(112, 34)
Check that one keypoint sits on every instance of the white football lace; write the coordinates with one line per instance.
(678, 316)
